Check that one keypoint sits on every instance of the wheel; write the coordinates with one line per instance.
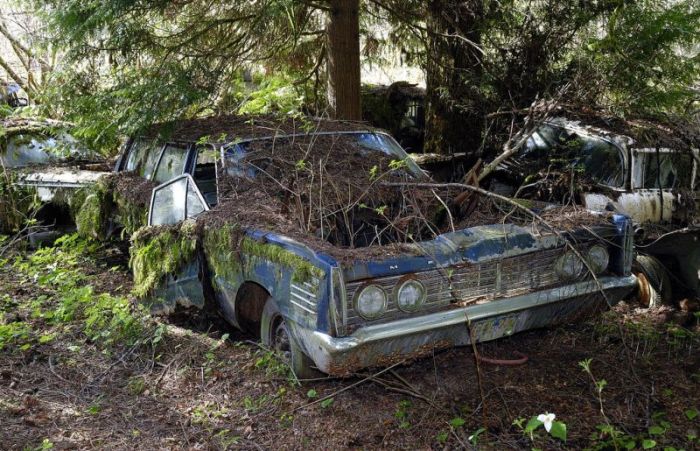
(654, 282)
(275, 334)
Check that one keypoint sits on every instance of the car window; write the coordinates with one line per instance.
(597, 158)
(175, 201)
(665, 170)
(143, 156)
(23, 151)
(172, 163)
(205, 173)
(26, 150)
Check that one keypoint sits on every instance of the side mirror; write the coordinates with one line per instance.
(176, 200)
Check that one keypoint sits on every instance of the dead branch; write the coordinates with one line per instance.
(14, 75)
(344, 389)
(515, 142)
(45, 66)
(518, 206)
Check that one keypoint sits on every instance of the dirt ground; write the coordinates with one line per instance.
(205, 386)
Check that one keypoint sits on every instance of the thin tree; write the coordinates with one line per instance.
(344, 59)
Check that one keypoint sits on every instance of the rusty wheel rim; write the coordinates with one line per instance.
(644, 290)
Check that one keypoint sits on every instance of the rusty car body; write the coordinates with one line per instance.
(654, 184)
(475, 284)
(44, 166)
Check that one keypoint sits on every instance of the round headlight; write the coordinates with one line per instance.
(598, 258)
(569, 266)
(409, 295)
(370, 302)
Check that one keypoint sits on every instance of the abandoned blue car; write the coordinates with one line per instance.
(329, 243)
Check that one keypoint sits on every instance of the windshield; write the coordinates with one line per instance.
(26, 150)
(367, 142)
(597, 158)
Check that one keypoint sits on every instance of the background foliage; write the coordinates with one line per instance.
(128, 63)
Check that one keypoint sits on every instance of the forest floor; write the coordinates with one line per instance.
(80, 368)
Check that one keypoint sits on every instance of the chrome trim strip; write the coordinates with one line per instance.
(298, 288)
(302, 299)
(302, 307)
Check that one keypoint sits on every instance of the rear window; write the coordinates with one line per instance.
(172, 163)
(597, 158)
(30, 149)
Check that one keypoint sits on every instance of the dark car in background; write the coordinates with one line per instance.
(654, 181)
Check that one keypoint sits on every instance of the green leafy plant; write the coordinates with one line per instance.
(402, 414)
(103, 318)
(474, 438)
(556, 429)
(15, 333)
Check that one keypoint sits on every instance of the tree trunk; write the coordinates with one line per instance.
(344, 59)
(454, 107)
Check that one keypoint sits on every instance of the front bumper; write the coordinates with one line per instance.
(391, 342)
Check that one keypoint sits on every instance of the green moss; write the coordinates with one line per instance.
(159, 251)
(303, 270)
(220, 248)
(71, 200)
(92, 218)
(130, 216)
(17, 204)
(229, 253)
(100, 204)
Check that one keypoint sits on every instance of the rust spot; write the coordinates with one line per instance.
(353, 363)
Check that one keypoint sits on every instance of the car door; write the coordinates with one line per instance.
(172, 202)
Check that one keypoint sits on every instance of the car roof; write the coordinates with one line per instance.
(222, 130)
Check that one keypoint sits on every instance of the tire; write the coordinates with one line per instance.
(275, 334)
(654, 282)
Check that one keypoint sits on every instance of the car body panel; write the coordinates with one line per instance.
(479, 278)
(658, 191)
(49, 180)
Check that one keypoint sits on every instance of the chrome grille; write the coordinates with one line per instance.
(470, 282)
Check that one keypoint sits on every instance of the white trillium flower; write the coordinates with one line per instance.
(546, 419)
